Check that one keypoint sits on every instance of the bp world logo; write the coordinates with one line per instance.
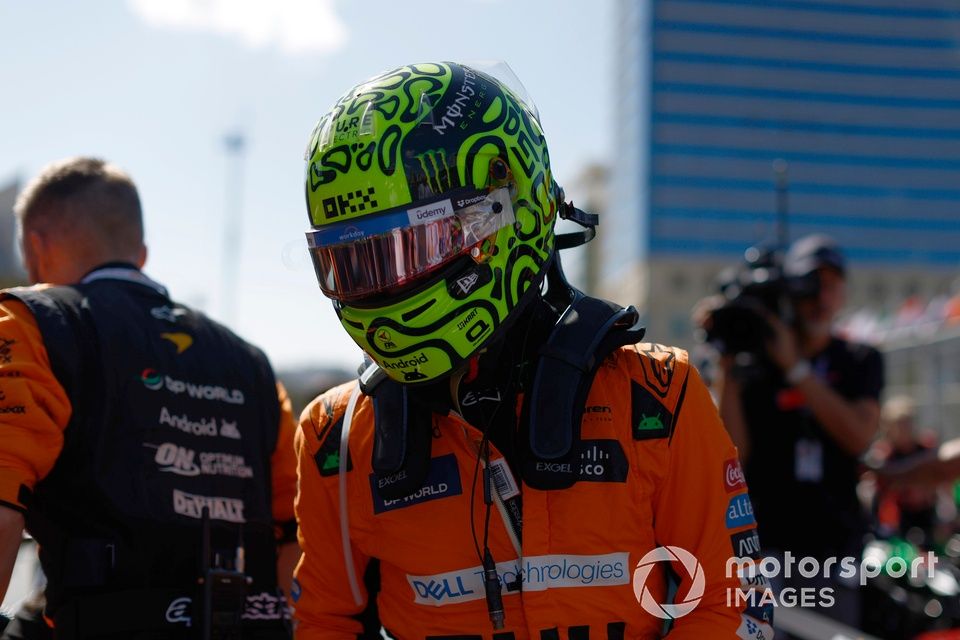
(649, 602)
(154, 380)
(151, 379)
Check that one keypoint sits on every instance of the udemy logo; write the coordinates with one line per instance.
(430, 212)
(649, 602)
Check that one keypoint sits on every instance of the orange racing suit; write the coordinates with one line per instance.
(656, 468)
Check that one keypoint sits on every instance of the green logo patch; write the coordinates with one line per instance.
(650, 418)
(648, 423)
(328, 457)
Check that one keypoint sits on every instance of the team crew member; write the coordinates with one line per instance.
(803, 419)
(130, 424)
(512, 452)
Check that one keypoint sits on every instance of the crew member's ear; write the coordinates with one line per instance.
(37, 255)
(141, 256)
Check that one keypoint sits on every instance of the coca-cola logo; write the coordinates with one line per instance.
(733, 479)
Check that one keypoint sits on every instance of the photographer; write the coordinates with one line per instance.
(803, 413)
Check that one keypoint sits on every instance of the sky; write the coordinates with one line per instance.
(157, 85)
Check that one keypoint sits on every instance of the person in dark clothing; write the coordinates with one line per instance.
(802, 421)
(141, 444)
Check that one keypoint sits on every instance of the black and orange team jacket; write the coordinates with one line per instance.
(35, 409)
(654, 468)
(171, 425)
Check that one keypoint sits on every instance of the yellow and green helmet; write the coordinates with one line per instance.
(432, 207)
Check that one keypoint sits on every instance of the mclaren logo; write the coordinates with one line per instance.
(182, 341)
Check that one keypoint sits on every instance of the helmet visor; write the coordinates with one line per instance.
(369, 255)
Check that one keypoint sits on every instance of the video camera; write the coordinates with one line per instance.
(758, 287)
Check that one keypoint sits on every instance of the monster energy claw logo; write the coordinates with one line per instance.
(435, 169)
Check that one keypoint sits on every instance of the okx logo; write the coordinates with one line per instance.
(350, 203)
(649, 602)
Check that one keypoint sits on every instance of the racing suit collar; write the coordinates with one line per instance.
(122, 271)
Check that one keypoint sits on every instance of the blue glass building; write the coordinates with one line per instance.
(860, 97)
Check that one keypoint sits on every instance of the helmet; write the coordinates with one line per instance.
(432, 206)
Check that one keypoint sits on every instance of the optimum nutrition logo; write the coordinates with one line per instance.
(647, 600)
(154, 380)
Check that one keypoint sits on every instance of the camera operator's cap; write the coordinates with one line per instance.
(810, 253)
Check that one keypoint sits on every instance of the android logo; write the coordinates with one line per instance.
(331, 462)
(649, 423)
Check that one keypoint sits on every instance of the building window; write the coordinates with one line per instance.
(678, 282)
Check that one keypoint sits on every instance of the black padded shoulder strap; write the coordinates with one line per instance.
(402, 440)
(587, 331)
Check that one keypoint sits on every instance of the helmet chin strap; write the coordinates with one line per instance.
(588, 221)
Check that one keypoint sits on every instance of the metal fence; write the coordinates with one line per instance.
(926, 366)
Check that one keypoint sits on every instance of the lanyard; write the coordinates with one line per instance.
(505, 490)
